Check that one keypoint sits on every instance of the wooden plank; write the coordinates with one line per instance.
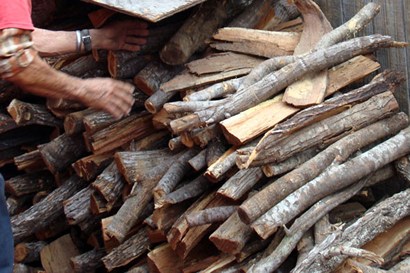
(153, 11)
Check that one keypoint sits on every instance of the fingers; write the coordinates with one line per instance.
(135, 40)
(131, 47)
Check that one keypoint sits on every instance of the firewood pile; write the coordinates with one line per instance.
(261, 140)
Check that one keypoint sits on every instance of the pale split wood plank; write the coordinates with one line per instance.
(153, 11)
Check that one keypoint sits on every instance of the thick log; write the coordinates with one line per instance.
(77, 207)
(88, 262)
(59, 153)
(336, 177)
(376, 220)
(134, 166)
(232, 235)
(89, 167)
(164, 259)
(108, 139)
(155, 141)
(109, 184)
(96, 121)
(124, 65)
(265, 14)
(30, 162)
(210, 215)
(39, 196)
(17, 205)
(150, 78)
(28, 252)
(257, 120)
(136, 202)
(254, 207)
(73, 122)
(163, 218)
(58, 227)
(62, 107)
(29, 183)
(256, 42)
(335, 125)
(130, 250)
(200, 26)
(43, 213)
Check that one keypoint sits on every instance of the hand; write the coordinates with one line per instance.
(120, 35)
(112, 96)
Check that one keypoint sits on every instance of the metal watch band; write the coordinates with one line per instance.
(86, 38)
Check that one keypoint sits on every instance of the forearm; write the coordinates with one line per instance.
(40, 79)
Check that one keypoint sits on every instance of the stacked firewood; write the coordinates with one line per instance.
(264, 143)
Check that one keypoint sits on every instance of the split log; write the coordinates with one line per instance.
(59, 153)
(43, 213)
(258, 204)
(164, 259)
(25, 113)
(267, 114)
(73, 122)
(376, 220)
(196, 29)
(130, 250)
(124, 65)
(150, 78)
(204, 136)
(133, 127)
(88, 262)
(338, 177)
(29, 183)
(109, 184)
(163, 218)
(274, 82)
(77, 207)
(232, 235)
(218, 168)
(55, 257)
(89, 167)
(382, 82)
(256, 42)
(28, 252)
(311, 88)
(265, 14)
(324, 130)
(134, 205)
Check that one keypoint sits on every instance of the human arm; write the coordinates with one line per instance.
(117, 35)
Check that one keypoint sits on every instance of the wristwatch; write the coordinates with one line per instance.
(86, 39)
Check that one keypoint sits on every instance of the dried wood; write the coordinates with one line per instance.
(150, 78)
(155, 102)
(28, 252)
(265, 14)
(88, 262)
(30, 162)
(55, 257)
(254, 207)
(382, 82)
(403, 168)
(130, 250)
(214, 91)
(43, 213)
(257, 120)
(232, 235)
(376, 220)
(59, 153)
(89, 167)
(96, 121)
(210, 215)
(124, 65)
(17, 205)
(218, 168)
(322, 228)
(311, 88)
(7, 123)
(198, 162)
(73, 122)
(338, 176)
(256, 42)
(335, 125)
(133, 127)
(173, 175)
(155, 141)
(29, 183)
(278, 80)
(22, 268)
(77, 207)
(25, 113)
(240, 183)
(305, 245)
(202, 137)
(346, 213)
